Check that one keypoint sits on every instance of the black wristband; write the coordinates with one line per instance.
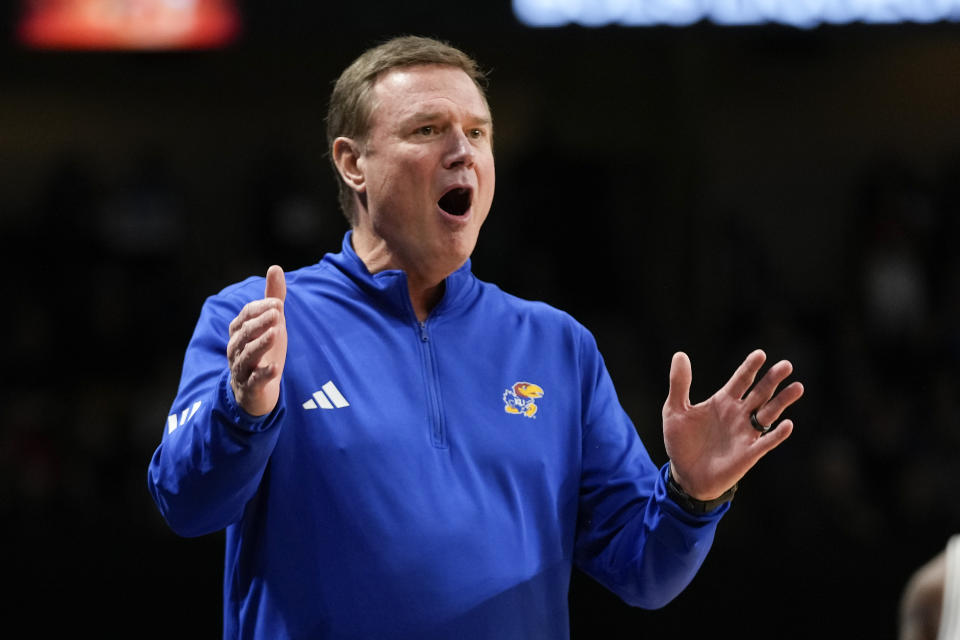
(690, 504)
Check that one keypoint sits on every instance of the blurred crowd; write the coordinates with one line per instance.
(108, 276)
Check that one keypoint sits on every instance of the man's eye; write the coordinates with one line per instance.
(476, 133)
(427, 130)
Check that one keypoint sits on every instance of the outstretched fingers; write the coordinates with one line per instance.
(768, 384)
(772, 439)
(742, 379)
(764, 399)
(769, 412)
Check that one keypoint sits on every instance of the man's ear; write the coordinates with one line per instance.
(346, 157)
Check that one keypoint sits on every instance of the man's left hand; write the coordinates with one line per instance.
(713, 444)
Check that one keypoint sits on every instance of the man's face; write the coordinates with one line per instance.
(428, 168)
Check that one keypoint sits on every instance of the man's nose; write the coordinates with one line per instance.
(459, 152)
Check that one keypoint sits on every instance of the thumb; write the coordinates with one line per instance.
(681, 374)
(276, 284)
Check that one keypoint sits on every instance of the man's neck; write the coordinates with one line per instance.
(425, 290)
(425, 299)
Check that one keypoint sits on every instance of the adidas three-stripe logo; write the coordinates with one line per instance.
(173, 423)
(327, 397)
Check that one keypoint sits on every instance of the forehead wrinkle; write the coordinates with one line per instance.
(404, 87)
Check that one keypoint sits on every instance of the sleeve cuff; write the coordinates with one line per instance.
(238, 416)
(676, 510)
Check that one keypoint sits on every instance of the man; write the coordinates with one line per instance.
(430, 456)
(930, 602)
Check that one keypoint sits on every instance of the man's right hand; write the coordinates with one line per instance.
(257, 349)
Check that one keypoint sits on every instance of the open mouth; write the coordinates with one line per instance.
(456, 202)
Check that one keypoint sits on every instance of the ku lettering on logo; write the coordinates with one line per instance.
(521, 399)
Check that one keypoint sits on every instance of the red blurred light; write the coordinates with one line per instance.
(128, 24)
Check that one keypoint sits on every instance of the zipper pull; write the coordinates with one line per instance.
(423, 332)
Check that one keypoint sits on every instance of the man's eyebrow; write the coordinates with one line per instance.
(421, 116)
(426, 116)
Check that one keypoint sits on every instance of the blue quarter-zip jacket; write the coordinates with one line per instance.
(393, 492)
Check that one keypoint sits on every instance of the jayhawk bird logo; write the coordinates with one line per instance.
(521, 398)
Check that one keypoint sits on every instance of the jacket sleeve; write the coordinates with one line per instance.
(213, 454)
(631, 537)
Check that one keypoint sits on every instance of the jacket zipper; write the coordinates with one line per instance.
(438, 435)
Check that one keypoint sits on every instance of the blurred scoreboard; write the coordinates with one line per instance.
(797, 13)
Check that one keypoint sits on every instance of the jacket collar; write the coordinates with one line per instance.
(390, 285)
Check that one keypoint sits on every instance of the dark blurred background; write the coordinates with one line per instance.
(711, 189)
